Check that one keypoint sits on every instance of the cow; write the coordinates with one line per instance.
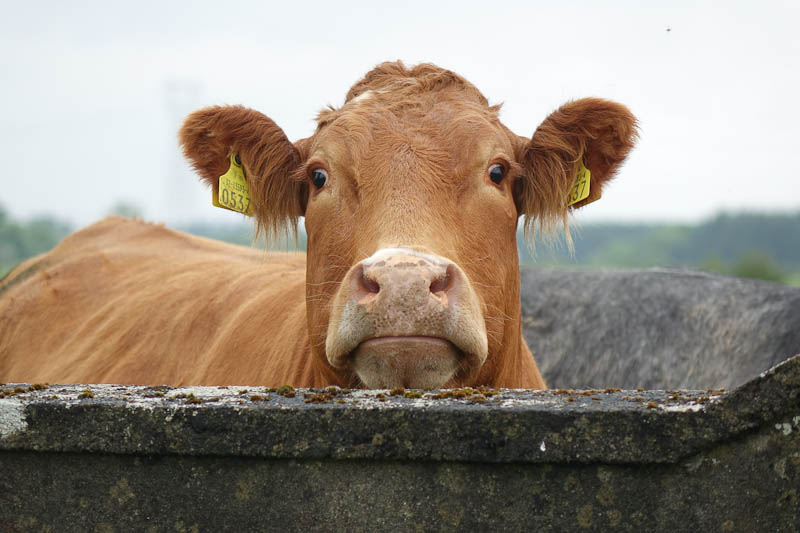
(411, 193)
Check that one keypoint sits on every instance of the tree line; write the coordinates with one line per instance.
(20, 240)
(764, 246)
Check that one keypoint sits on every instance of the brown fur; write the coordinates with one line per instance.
(124, 301)
(407, 159)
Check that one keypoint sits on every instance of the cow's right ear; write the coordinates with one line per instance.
(271, 163)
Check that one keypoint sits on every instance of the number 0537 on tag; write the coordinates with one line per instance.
(232, 192)
(580, 190)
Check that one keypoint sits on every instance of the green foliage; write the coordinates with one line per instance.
(21, 240)
(746, 245)
(757, 265)
(126, 209)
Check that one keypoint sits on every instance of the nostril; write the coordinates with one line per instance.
(368, 285)
(444, 283)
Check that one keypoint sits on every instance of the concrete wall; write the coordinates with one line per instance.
(112, 458)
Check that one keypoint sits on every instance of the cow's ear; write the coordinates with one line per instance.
(595, 132)
(271, 163)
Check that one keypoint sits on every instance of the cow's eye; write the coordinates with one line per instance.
(319, 177)
(497, 172)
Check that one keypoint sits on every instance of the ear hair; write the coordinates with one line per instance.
(209, 136)
(597, 132)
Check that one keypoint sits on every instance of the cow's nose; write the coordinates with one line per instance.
(407, 280)
(406, 318)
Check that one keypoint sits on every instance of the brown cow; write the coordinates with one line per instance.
(411, 193)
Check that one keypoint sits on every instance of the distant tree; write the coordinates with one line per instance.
(757, 265)
(126, 209)
(715, 264)
(21, 240)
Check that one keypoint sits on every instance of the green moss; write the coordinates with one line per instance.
(319, 398)
(287, 391)
(259, 398)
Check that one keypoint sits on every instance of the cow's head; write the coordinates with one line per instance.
(411, 193)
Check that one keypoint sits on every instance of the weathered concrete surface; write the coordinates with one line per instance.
(215, 459)
(747, 485)
(525, 426)
(656, 328)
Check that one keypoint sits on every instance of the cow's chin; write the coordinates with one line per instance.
(411, 362)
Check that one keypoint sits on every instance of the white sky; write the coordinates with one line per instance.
(92, 93)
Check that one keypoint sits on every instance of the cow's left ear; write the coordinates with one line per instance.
(595, 132)
(271, 163)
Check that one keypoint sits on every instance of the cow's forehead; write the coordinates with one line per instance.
(373, 125)
(434, 108)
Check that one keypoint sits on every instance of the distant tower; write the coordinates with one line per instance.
(184, 196)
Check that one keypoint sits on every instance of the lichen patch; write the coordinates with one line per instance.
(12, 417)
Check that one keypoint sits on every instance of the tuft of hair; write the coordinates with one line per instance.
(592, 131)
(424, 77)
(405, 87)
(209, 137)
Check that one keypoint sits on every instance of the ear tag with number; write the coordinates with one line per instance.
(580, 191)
(232, 192)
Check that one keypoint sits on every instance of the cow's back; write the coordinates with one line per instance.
(125, 301)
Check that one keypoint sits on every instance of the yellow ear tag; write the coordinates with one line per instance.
(232, 192)
(580, 191)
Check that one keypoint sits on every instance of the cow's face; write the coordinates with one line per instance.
(416, 218)
(411, 194)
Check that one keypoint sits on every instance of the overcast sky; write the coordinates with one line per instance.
(92, 93)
